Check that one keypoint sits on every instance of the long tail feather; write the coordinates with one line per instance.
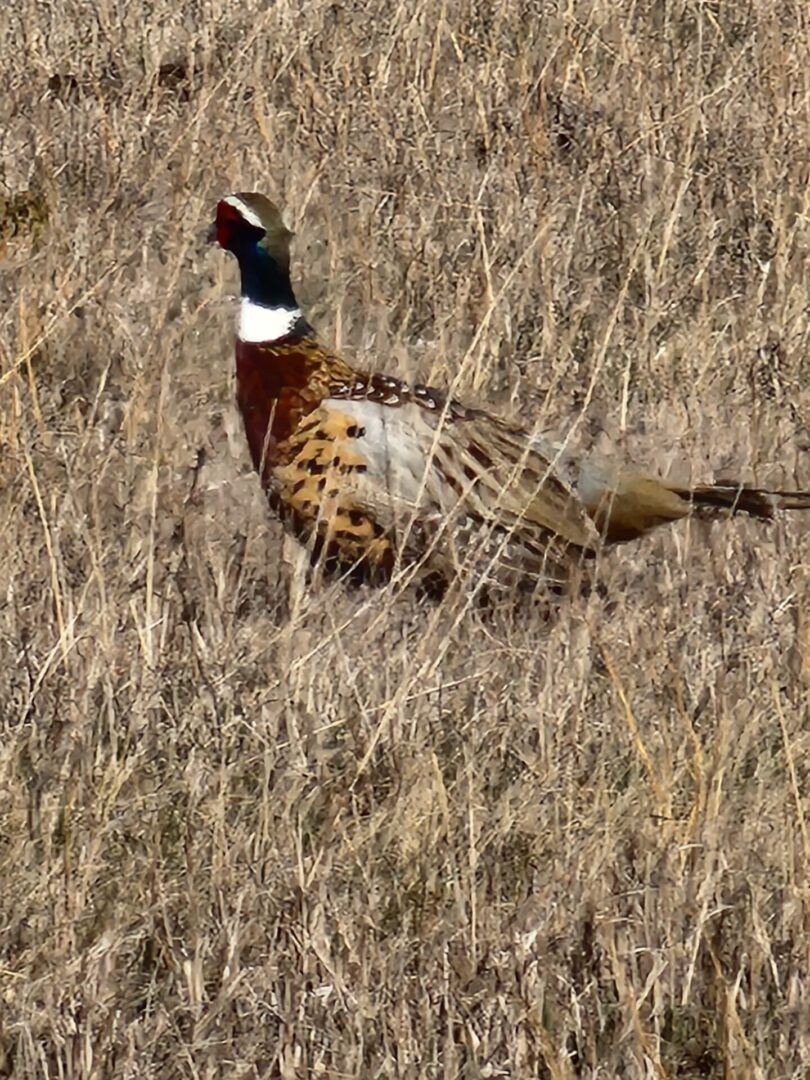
(759, 502)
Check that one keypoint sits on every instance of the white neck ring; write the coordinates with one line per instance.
(261, 324)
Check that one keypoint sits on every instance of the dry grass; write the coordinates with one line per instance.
(248, 829)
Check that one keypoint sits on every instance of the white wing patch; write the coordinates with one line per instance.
(388, 441)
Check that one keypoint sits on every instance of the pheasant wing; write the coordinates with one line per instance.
(517, 478)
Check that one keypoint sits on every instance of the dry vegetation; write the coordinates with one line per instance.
(252, 828)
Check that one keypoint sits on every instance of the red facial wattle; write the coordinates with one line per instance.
(230, 227)
(229, 221)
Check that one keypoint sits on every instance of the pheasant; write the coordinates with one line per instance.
(372, 473)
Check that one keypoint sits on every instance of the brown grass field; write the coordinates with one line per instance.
(253, 827)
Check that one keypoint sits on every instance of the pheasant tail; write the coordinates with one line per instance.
(759, 502)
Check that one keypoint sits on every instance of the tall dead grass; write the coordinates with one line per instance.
(250, 828)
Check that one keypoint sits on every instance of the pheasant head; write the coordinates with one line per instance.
(250, 227)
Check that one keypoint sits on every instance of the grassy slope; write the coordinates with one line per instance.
(253, 829)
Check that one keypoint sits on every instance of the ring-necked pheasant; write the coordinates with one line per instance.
(369, 471)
